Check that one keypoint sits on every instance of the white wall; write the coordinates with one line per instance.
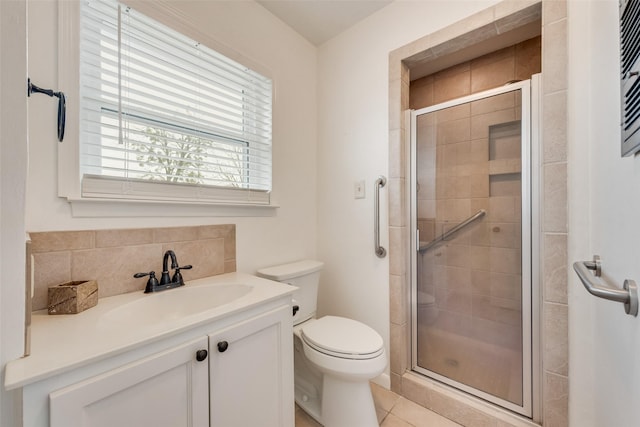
(13, 169)
(604, 210)
(242, 26)
(250, 30)
(353, 94)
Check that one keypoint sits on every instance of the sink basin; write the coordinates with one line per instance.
(176, 303)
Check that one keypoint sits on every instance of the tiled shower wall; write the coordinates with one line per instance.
(553, 210)
(469, 159)
(112, 257)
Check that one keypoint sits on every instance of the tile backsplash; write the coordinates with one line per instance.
(112, 257)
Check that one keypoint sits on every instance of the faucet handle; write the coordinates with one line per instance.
(177, 276)
(152, 283)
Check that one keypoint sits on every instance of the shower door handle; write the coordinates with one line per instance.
(380, 251)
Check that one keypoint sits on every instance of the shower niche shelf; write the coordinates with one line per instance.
(505, 163)
(504, 141)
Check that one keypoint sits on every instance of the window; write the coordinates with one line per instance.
(163, 117)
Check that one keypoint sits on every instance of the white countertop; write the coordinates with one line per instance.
(62, 342)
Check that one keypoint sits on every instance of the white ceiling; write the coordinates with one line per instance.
(321, 20)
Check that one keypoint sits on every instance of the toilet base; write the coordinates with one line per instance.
(347, 404)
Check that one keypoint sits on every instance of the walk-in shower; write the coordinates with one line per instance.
(471, 222)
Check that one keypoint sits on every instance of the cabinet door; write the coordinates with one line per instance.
(169, 389)
(251, 371)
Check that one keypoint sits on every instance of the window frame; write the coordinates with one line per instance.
(221, 201)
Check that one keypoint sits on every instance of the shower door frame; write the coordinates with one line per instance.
(530, 160)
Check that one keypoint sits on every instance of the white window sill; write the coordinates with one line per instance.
(111, 208)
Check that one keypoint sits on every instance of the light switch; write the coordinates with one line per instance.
(358, 190)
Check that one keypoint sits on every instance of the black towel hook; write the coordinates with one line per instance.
(62, 105)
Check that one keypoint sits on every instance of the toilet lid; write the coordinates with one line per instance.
(341, 337)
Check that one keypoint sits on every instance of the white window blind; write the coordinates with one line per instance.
(164, 117)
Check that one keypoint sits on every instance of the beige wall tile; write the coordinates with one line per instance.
(556, 342)
(397, 202)
(494, 309)
(554, 133)
(528, 58)
(50, 269)
(397, 153)
(554, 10)
(480, 124)
(453, 300)
(492, 75)
(421, 93)
(399, 304)
(61, 240)
(398, 363)
(216, 231)
(230, 266)
(114, 268)
(206, 257)
(556, 400)
(505, 260)
(481, 282)
(505, 235)
(554, 65)
(396, 94)
(451, 86)
(503, 209)
(493, 57)
(111, 238)
(555, 198)
(554, 267)
(507, 286)
(480, 258)
(458, 112)
(453, 131)
(230, 246)
(174, 234)
(118, 256)
(397, 250)
(492, 104)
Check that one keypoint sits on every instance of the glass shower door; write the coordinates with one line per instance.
(471, 285)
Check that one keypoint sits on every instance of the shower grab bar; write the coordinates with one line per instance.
(423, 248)
(380, 251)
(596, 286)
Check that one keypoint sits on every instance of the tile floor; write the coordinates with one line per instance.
(393, 411)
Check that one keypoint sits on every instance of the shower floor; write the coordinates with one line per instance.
(491, 368)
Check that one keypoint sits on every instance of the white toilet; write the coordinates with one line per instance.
(334, 357)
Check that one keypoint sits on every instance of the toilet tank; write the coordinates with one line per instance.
(305, 275)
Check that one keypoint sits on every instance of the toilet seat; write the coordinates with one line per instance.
(343, 338)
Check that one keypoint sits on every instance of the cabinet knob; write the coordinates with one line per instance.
(222, 346)
(201, 355)
(295, 309)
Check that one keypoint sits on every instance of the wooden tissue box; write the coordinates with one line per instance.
(72, 297)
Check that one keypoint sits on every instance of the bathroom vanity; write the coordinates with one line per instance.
(216, 352)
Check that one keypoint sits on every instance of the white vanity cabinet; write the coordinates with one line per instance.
(169, 389)
(251, 376)
(84, 372)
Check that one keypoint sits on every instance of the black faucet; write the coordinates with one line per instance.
(166, 282)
